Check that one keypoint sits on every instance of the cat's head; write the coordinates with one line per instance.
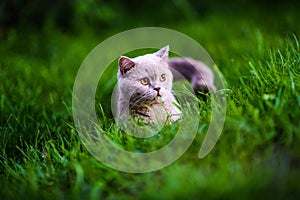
(145, 78)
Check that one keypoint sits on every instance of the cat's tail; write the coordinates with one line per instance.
(200, 75)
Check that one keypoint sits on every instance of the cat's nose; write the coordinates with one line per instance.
(157, 89)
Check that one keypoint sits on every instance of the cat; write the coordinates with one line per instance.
(145, 85)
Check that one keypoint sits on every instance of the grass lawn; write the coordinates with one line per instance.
(257, 156)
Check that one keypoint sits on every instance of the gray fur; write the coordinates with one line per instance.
(201, 77)
(145, 102)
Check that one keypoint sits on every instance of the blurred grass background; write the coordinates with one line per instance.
(254, 43)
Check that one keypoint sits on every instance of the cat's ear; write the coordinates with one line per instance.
(163, 53)
(125, 64)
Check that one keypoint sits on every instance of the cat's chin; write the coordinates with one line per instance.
(156, 100)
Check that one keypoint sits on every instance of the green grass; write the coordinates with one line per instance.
(257, 156)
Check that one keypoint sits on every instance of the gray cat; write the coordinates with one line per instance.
(145, 86)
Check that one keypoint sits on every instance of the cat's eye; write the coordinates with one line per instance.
(162, 77)
(145, 81)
